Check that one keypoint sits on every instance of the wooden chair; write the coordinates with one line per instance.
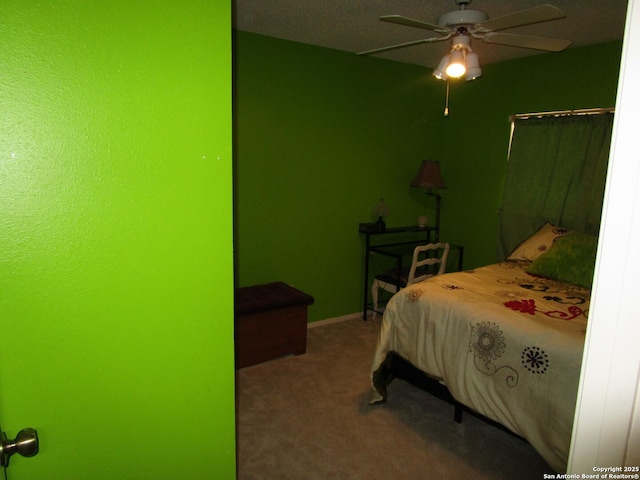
(428, 261)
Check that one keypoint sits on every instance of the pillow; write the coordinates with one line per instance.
(538, 243)
(570, 259)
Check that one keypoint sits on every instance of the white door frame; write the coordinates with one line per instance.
(606, 431)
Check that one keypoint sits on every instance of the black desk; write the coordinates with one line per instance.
(406, 240)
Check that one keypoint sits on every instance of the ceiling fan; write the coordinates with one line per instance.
(462, 25)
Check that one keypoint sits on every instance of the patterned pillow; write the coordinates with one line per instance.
(571, 259)
(538, 243)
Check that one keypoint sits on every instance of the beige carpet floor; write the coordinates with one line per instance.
(307, 417)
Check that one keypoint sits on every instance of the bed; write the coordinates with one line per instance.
(505, 339)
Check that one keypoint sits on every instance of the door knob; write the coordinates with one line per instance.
(25, 443)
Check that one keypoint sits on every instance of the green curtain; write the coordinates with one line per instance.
(556, 173)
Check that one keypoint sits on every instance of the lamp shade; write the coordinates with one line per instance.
(439, 72)
(381, 209)
(473, 67)
(429, 176)
(456, 67)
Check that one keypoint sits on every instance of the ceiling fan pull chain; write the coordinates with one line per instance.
(446, 103)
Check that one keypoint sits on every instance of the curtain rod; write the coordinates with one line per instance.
(561, 113)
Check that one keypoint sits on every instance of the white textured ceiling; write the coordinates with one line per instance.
(353, 25)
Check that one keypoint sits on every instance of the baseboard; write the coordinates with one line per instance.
(329, 321)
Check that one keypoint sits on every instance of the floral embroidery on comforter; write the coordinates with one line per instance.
(507, 344)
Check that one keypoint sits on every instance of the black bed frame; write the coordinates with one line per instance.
(402, 369)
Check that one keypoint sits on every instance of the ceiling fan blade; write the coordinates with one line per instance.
(527, 41)
(410, 22)
(403, 45)
(542, 13)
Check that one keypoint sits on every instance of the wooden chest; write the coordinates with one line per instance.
(270, 322)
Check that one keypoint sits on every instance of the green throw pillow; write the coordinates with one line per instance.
(570, 259)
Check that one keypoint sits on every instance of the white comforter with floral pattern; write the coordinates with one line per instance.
(507, 345)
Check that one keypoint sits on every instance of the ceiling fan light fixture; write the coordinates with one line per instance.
(462, 25)
(473, 67)
(456, 67)
(439, 72)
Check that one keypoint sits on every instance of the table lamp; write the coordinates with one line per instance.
(429, 177)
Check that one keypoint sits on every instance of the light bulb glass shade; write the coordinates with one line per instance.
(456, 66)
(473, 73)
(439, 72)
(473, 67)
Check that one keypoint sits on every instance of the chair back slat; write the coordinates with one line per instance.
(434, 254)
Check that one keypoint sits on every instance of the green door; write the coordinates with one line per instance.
(116, 300)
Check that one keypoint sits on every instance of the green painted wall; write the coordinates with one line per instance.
(320, 137)
(321, 134)
(116, 260)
